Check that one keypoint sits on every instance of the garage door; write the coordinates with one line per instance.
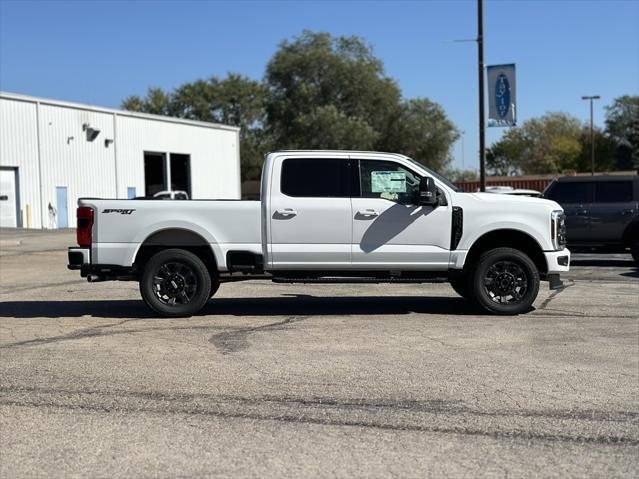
(8, 200)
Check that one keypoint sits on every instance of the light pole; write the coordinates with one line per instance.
(461, 138)
(592, 132)
(480, 65)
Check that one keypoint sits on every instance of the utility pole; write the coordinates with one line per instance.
(592, 133)
(482, 126)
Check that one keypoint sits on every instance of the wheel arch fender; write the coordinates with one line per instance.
(507, 237)
(176, 234)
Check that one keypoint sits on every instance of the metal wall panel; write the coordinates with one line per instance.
(68, 159)
(19, 148)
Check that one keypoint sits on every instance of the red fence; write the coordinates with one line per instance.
(538, 184)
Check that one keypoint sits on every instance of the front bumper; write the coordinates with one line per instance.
(78, 257)
(558, 261)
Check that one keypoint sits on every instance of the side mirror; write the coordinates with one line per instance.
(427, 192)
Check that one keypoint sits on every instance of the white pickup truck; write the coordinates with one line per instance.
(328, 216)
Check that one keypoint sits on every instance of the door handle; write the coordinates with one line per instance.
(286, 212)
(627, 212)
(369, 213)
(581, 211)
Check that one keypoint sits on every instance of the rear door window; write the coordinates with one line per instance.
(316, 178)
(613, 192)
(571, 192)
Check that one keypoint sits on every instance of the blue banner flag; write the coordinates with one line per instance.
(501, 95)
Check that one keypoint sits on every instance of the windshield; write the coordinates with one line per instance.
(446, 181)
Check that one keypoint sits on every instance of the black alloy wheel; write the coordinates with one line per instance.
(505, 281)
(175, 283)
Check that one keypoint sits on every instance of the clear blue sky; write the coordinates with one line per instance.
(101, 52)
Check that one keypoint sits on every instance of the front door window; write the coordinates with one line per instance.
(388, 180)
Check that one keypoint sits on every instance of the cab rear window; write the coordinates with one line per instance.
(316, 178)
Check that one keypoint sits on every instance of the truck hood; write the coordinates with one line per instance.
(516, 200)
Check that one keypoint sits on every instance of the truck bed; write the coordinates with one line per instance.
(121, 226)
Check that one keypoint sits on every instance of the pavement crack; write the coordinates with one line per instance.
(100, 331)
(79, 334)
(228, 342)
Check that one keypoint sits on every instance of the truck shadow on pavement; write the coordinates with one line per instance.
(286, 305)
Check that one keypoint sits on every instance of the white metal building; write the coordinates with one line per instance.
(54, 152)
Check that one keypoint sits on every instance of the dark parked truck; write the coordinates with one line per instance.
(602, 212)
(329, 216)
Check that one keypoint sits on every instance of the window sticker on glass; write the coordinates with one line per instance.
(388, 181)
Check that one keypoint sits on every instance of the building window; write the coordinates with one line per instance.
(181, 173)
(161, 174)
(154, 173)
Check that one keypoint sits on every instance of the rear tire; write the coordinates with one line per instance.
(175, 283)
(505, 281)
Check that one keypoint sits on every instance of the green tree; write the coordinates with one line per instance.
(422, 131)
(605, 151)
(549, 144)
(504, 157)
(622, 125)
(332, 92)
(553, 143)
(156, 102)
(328, 127)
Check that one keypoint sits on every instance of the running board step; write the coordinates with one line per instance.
(338, 280)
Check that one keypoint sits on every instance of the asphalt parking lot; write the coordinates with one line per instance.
(323, 380)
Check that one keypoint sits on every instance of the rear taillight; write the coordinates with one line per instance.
(85, 225)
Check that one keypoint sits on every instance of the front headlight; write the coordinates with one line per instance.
(558, 229)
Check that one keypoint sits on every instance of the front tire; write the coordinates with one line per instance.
(505, 281)
(175, 283)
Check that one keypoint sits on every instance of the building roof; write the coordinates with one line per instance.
(113, 111)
